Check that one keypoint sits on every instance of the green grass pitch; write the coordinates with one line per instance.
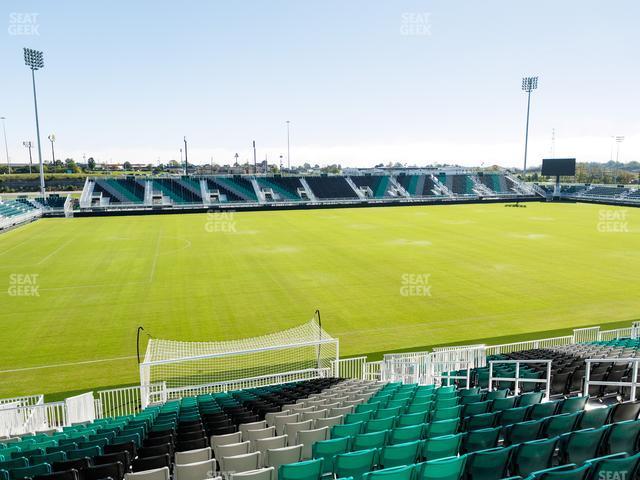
(384, 279)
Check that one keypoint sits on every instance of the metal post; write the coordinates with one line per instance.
(587, 376)
(35, 104)
(255, 160)
(517, 384)
(548, 380)
(186, 160)
(526, 137)
(634, 382)
(6, 146)
(288, 149)
(491, 376)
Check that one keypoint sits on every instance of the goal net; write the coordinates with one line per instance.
(191, 368)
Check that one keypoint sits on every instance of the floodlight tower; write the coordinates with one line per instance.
(35, 61)
(528, 85)
(288, 149)
(52, 139)
(28, 145)
(619, 140)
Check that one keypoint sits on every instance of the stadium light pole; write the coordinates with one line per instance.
(6, 146)
(255, 159)
(28, 145)
(528, 85)
(35, 61)
(186, 161)
(52, 139)
(619, 140)
(288, 149)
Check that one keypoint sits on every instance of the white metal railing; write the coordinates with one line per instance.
(632, 385)
(21, 401)
(517, 379)
(589, 334)
(261, 381)
(32, 418)
(349, 367)
(449, 376)
(130, 400)
(81, 408)
(372, 371)
(529, 344)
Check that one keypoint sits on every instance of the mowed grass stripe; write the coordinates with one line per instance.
(493, 272)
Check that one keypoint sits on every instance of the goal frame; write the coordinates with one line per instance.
(324, 340)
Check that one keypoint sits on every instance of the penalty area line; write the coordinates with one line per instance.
(70, 364)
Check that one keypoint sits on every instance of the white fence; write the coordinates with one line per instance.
(254, 382)
(16, 420)
(80, 408)
(349, 367)
(632, 385)
(130, 400)
(517, 379)
(372, 371)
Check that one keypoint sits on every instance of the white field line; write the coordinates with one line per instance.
(155, 258)
(55, 251)
(70, 364)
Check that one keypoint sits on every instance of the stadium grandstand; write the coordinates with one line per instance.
(534, 409)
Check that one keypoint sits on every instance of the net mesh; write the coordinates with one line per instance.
(301, 349)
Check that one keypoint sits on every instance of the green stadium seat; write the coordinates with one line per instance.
(406, 434)
(410, 419)
(307, 470)
(347, 430)
(500, 404)
(358, 417)
(513, 415)
(354, 464)
(622, 437)
(422, 407)
(395, 473)
(471, 409)
(495, 394)
(482, 439)
(543, 410)
(328, 449)
(482, 421)
(574, 404)
(30, 472)
(444, 427)
(523, 431)
(562, 423)
(620, 466)
(48, 458)
(442, 469)
(448, 413)
(490, 464)
(527, 399)
(594, 418)
(400, 454)
(563, 472)
(442, 447)
(579, 446)
(380, 424)
(367, 441)
(532, 456)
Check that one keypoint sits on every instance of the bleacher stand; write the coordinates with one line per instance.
(331, 187)
(362, 430)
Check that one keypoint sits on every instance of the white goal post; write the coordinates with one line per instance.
(192, 368)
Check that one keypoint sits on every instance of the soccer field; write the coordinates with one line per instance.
(384, 279)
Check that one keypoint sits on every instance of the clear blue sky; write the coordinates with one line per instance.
(360, 81)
